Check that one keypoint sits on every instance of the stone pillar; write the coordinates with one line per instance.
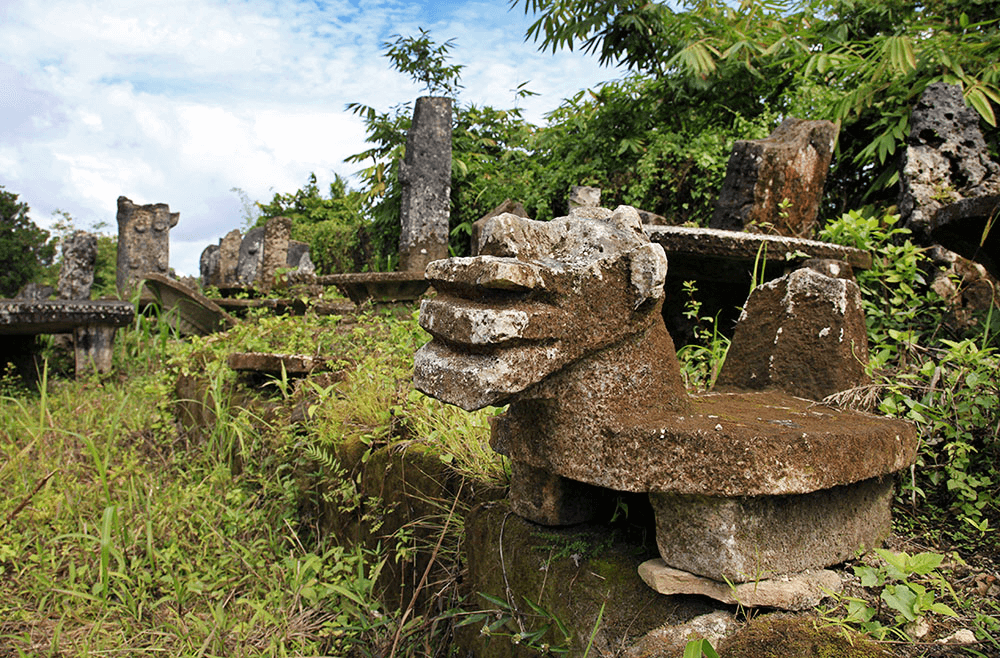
(276, 233)
(229, 256)
(143, 242)
(76, 274)
(425, 174)
(93, 348)
(251, 252)
(778, 180)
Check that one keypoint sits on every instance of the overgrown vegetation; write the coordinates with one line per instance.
(125, 533)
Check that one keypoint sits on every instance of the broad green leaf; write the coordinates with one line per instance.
(978, 100)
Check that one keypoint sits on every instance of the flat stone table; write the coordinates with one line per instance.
(92, 323)
(722, 265)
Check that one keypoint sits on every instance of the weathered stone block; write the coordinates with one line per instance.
(582, 196)
(946, 159)
(143, 242)
(208, 266)
(778, 180)
(756, 537)
(251, 253)
(76, 273)
(229, 257)
(276, 235)
(425, 176)
(803, 333)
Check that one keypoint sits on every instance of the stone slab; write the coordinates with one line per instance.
(378, 286)
(799, 591)
(26, 318)
(190, 312)
(290, 306)
(685, 242)
(295, 365)
(749, 538)
(727, 444)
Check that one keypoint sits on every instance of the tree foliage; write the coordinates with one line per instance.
(25, 248)
(857, 63)
(332, 226)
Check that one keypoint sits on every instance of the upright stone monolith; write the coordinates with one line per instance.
(208, 266)
(276, 234)
(143, 242)
(229, 256)
(425, 174)
(251, 251)
(76, 274)
(777, 181)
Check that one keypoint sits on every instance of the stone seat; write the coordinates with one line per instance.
(764, 443)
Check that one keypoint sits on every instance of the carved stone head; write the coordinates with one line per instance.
(540, 296)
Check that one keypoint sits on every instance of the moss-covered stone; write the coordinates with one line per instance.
(792, 636)
(515, 560)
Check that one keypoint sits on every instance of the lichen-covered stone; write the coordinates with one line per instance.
(803, 333)
(276, 235)
(425, 178)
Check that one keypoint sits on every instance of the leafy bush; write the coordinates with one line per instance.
(334, 227)
(938, 376)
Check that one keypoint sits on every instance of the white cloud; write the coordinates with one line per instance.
(179, 102)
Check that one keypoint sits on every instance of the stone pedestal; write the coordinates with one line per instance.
(750, 538)
(425, 176)
(561, 320)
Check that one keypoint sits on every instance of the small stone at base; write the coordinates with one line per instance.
(798, 591)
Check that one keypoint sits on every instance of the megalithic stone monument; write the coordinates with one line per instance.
(562, 321)
(143, 242)
(76, 275)
(425, 174)
(778, 180)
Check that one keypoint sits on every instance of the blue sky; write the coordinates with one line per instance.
(179, 102)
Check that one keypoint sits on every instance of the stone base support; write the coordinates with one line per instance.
(549, 499)
(754, 538)
(799, 591)
(93, 346)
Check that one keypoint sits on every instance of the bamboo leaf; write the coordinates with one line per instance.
(981, 103)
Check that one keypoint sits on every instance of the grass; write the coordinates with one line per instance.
(125, 535)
